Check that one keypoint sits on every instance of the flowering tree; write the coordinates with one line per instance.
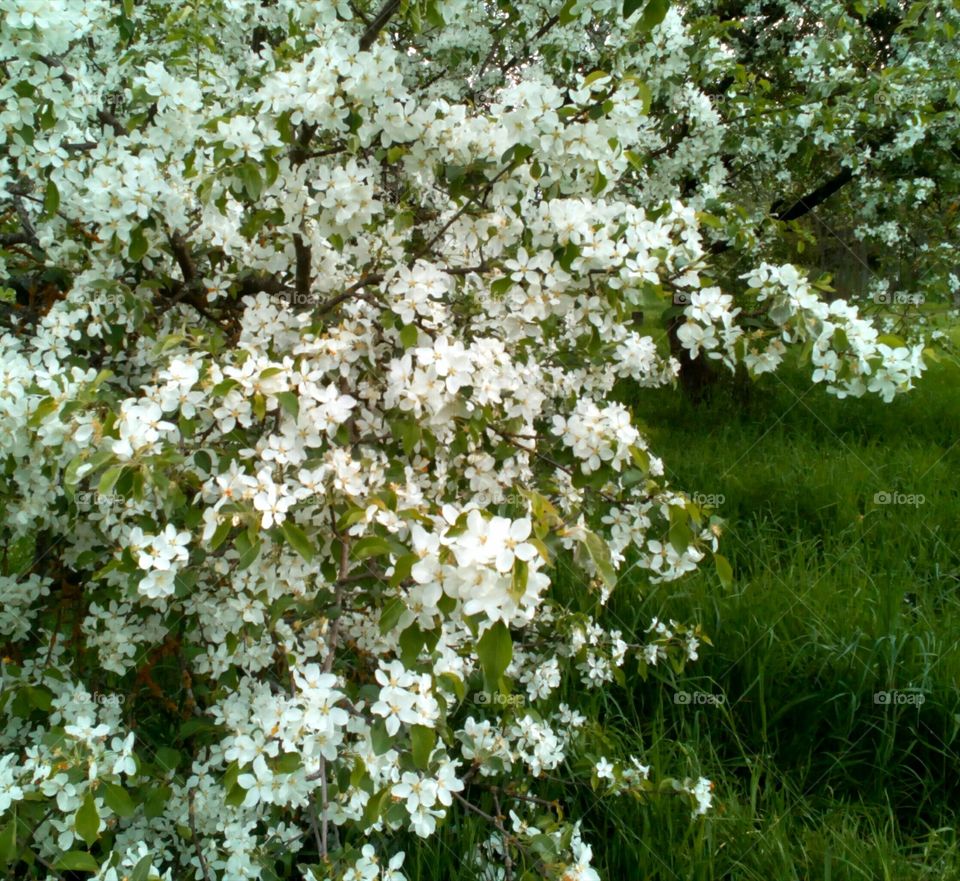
(320, 320)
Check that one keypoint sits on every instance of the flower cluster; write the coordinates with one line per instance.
(847, 352)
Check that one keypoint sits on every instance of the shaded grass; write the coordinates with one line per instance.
(837, 597)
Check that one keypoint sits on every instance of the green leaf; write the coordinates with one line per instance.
(455, 682)
(230, 776)
(724, 569)
(379, 737)
(391, 614)
(287, 763)
(375, 806)
(568, 255)
(272, 169)
(290, 403)
(599, 552)
(168, 758)
(411, 641)
(298, 540)
(221, 389)
(681, 535)
(545, 846)
(422, 740)
(599, 181)
(371, 546)
(249, 174)
(434, 14)
(87, 820)
(141, 871)
(8, 842)
(566, 14)
(236, 796)
(495, 650)
(48, 118)
(118, 800)
(220, 536)
(76, 861)
(409, 336)
(407, 431)
(138, 244)
(501, 286)
(892, 340)
(51, 199)
(248, 550)
(259, 406)
(653, 13)
(646, 96)
(109, 480)
(44, 409)
(518, 583)
(401, 569)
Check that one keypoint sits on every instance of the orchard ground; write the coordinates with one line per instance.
(826, 711)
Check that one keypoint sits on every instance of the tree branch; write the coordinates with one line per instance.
(107, 118)
(379, 22)
(542, 32)
(807, 203)
(181, 251)
(16, 238)
(267, 284)
(304, 259)
(333, 302)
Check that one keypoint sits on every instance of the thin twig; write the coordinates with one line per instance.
(324, 800)
(507, 861)
(196, 839)
(333, 302)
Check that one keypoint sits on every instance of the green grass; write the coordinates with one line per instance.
(835, 598)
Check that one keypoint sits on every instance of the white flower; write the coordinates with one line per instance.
(85, 730)
(10, 791)
(603, 769)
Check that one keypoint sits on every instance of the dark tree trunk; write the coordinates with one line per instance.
(696, 376)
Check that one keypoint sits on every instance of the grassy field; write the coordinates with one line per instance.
(839, 595)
